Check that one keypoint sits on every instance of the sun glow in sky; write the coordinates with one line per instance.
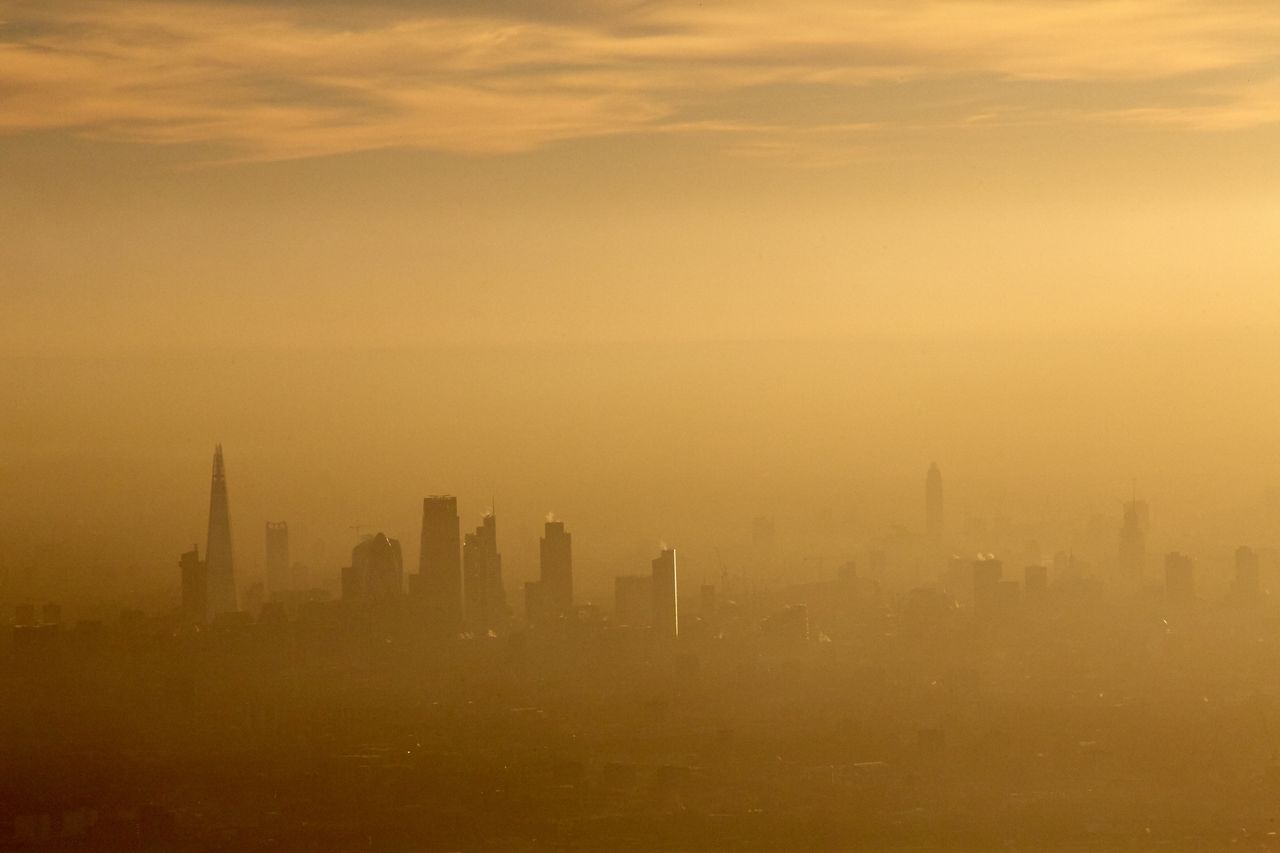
(552, 170)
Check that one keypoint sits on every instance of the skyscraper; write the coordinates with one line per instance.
(556, 567)
(218, 563)
(376, 570)
(933, 504)
(1247, 584)
(438, 583)
(483, 595)
(195, 586)
(1179, 579)
(633, 600)
(666, 619)
(278, 575)
(1133, 540)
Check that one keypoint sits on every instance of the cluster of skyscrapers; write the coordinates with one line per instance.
(458, 586)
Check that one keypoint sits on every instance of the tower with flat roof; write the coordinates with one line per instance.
(438, 584)
(666, 618)
(555, 551)
(933, 520)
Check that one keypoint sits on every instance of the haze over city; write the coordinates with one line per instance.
(727, 280)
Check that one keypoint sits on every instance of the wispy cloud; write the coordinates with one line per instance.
(282, 79)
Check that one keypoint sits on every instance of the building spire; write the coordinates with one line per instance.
(220, 568)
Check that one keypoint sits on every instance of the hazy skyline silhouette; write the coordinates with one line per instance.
(937, 338)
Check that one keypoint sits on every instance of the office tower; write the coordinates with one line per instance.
(1133, 540)
(278, 573)
(438, 583)
(195, 586)
(1179, 582)
(555, 551)
(376, 570)
(633, 600)
(1247, 581)
(666, 618)
(933, 504)
(485, 600)
(51, 614)
(221, 574)
(1036, 579)
(987, 572)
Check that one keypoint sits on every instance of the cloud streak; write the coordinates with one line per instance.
(282, 80)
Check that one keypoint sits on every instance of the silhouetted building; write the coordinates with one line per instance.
(278, 573)
(218, 562)
(195, 586)
(1247, 583)
(483, 593)
(376, 570)
(666, 618)
(439, 579)
(1179, 580)
(1133, 540)
(555, 551)
(51, 614)
(633, 600)
(987, 573)
(1036, 579)
(933, 519)
(24, 616)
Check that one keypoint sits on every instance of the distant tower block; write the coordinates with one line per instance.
(484, 597)
(1179, 578)
(1247, 583)
(376, 570)
(1133, 540)
(666, 621)
(195, 586)
(278, 575)
(556, 567)
(221, 573)
(1036, 579)
(633, 600)
(439, 579)
(933, 520)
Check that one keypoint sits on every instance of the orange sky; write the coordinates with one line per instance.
(543, 170)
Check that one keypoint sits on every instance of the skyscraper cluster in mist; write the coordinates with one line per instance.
(458, 587)
(909, 680)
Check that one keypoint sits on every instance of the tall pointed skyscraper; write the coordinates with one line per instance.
(933, 504)
(221, 574)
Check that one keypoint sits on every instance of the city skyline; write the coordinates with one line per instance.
(652, 426)
(469, 569)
